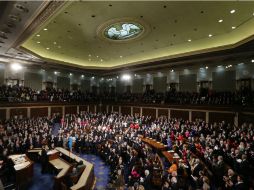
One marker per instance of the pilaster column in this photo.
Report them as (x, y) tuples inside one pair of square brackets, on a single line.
[(28, 112), (141, 111), (207, 116), (131, 111), (8, 113), (49, 111), (156, 114), (63, 111), (236, 119), (169, 113), (190, 115)]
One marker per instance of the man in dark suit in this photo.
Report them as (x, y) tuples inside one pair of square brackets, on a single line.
[(197, 168), (44, 160), (244, 166), (147, 180), (195, 171), (132, 161), (220, 169), (80, 166), (240, 184)]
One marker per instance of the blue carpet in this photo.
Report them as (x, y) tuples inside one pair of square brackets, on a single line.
[(101, 170), (46, 181), (41, 181)]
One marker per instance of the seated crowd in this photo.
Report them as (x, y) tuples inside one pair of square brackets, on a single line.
[(26, 94), (213, 156)]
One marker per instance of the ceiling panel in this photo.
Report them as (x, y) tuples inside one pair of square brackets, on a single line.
[(174, 29)]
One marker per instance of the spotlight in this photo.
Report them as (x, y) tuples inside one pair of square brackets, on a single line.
[(16, 67), (126, 77)]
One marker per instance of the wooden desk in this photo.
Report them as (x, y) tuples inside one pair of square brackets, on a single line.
[(35, 150), (24, 170), (170, 156), (53, 154), (153, 143), (87, 179), (62, 165), (64, 168)]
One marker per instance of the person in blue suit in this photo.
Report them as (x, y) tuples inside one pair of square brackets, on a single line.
[(70, 142)]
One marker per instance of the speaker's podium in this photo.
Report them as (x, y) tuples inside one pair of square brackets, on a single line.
[(24, 170)]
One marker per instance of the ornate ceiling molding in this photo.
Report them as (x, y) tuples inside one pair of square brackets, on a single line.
[(47, 10)]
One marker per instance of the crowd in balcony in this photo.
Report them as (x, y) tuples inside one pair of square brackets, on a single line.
[(25, 94), (212, 156)]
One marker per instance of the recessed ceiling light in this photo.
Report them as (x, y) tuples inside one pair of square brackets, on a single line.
[(228, 66), (47, 48), (101, 60), (121, 56), (70, 74), (38, 35), (82, 76), (38, 42), (89, 59), (220, 20), (252, 61), (55, 43), (210, 35), (89, 55), (206, 67), (97, 56), (232, 11), (172, 70), (189, 40), (45, 29), (233, 27)]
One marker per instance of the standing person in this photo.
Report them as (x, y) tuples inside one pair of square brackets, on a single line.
[(119, 183), (44, 160), (62, 121), (147, 180), (70, 141)]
